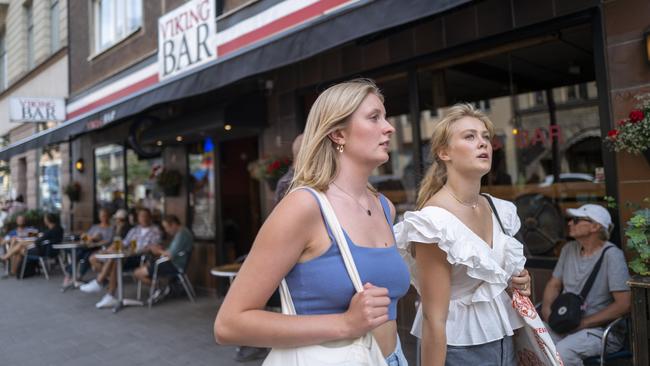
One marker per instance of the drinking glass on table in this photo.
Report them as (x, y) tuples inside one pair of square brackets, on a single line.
[(117, 244)]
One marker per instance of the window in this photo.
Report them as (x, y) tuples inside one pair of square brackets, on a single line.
[(55, 41), (50, 190), (29, 21), (142, 190), (115, 20), (3, 63), (109, 177), (202, 189)]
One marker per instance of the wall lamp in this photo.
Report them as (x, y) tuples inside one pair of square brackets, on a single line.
[(79, 165)]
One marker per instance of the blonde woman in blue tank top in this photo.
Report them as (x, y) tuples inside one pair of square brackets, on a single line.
[(346, 137)]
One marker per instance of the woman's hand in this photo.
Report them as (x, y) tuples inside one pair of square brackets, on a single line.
[(368, 310), (521, 282)]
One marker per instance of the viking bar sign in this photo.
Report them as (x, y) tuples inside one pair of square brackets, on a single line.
[(36, 109), (186, 37)]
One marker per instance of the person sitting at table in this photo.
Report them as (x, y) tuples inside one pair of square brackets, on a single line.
[(145, 235), (52, 235), (177, 252), (13, 236), (98, 235)]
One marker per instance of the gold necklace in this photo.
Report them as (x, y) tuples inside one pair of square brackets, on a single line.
[(354, 199), (471, 205)]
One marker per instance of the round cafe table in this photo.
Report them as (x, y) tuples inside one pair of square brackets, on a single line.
[(72, 246), (227, 270), (121, 301)]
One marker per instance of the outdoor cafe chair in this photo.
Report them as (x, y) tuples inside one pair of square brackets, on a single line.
[(180, 275), (43, 260)]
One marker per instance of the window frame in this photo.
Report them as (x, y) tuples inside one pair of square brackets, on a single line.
[(55, 26), (29, 34), (96, 47)]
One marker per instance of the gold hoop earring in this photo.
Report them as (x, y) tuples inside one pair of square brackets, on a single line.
[(340, 148)]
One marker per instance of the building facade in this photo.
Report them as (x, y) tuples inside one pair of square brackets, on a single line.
[(208, 88), (34, 85)]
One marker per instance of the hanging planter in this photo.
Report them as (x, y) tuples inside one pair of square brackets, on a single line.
[(632, 134), (73, 191), (170, 182), (269, 170)]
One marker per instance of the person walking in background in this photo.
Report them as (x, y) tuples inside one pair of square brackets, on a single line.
[(282, 188), (346, 137), (460, 258)]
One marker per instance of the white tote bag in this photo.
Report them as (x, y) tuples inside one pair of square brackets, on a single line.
[(533, 344), (363, 351)]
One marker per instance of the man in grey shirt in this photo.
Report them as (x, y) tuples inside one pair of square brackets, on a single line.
[(609, 297)]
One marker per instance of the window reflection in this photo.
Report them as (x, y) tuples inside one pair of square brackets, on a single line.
[(202, 189), (109, 177), (50, 189), (143, 192)]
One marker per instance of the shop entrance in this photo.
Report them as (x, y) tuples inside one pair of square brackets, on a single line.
[(240, 197)]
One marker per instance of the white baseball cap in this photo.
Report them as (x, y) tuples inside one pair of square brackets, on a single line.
[(596, 213)]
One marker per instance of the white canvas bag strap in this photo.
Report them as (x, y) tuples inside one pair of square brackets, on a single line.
[(288, 307)]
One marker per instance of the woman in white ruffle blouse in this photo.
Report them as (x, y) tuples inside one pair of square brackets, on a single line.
[(461, 262)]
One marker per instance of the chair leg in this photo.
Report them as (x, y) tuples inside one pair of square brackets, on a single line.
[(43, 267), (189, 284), (152, 288), (22, 267), (61, 264), (186, 286)]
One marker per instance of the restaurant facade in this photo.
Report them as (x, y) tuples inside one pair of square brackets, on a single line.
[(171, 89)]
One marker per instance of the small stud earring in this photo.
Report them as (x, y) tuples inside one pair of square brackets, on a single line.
[(340, 148)]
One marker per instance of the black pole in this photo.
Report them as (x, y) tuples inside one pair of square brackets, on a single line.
[(554, 141), (414, 112)]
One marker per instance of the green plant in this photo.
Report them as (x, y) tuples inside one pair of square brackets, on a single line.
[(73, 191), (637, 232), (632, 134), (33, 218)]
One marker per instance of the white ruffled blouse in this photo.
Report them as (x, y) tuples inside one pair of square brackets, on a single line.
[(480, 311)]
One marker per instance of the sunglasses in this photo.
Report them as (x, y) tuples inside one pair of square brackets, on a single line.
[(576, 220)]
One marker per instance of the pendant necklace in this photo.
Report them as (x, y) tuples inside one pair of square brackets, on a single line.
[(472, 205), (357, 202)]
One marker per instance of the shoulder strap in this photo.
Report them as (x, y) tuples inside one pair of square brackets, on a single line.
[(335, 228), (592, 276), (494, 209)]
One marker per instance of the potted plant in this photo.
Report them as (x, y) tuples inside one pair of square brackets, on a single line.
[(637, 232), (269, 169), (73, 191), (169, 180), (632, 134)]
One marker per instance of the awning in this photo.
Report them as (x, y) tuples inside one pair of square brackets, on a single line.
[(304, 41)]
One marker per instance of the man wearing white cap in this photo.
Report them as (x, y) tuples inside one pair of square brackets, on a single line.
[(609, 296)]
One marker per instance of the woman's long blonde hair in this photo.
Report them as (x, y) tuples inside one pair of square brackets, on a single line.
[(317, 161), (436, 175)]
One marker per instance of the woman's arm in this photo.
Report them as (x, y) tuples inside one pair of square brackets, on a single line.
[(434, 276), (293, 227)]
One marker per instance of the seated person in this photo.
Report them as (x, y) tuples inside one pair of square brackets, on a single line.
[(21, 231), (97, 236), (608, 298), (52, 235), (181, 243), (146, 235)]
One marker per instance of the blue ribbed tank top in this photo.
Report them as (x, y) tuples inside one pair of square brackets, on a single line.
[(322, 284)]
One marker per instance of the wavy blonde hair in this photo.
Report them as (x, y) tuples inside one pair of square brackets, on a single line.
[(436, 175), (317, 161)]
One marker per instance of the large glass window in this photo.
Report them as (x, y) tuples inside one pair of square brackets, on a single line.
[(109, 177), (143, 192), (202, 189), (115, 20), (29, 21), (49, 187), (3, 62), (55, 22), (547, 148)]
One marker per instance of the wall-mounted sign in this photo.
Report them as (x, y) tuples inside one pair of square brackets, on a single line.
[(36, 109), (186, 37)]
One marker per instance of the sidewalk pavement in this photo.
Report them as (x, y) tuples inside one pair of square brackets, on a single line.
[(41, 326)]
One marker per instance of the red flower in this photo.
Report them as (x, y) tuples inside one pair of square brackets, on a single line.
[(636, 115), (612, 134), (621, 123)]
